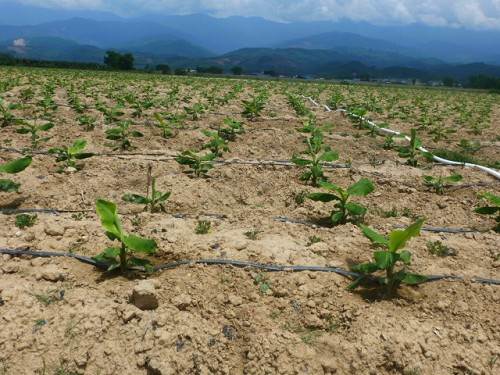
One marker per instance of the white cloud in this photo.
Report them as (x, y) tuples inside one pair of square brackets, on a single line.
[(469, 13), (20, 43)]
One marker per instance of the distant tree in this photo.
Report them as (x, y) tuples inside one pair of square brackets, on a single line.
[(180, 72), (484, 82), (237, 70), (271, 73), (163, 68), (448, 82), (210, 70), (116, 60)]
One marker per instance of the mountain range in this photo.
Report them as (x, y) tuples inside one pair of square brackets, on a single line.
[(254, 43)]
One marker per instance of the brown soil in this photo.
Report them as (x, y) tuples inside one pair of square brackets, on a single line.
[(62, 317)]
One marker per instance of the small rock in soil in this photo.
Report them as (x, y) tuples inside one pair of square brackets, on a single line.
[(144, 295), (53, 273)]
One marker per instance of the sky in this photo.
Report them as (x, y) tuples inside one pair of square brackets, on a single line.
[(477, 14)]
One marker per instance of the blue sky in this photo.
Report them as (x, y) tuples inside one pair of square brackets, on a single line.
[(482, 14)]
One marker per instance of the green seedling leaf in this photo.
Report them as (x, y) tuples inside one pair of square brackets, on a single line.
[(16, 166), (9, 186), (140, 244), (322, 197), (135, 198), (399, 238), (109, 217), (361, 188), (374, 236)]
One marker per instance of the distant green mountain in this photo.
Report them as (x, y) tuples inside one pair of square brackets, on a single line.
[(170, 48)]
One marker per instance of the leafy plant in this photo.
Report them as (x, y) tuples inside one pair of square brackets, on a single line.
[(344, 209), (439, 249), (87, 122), (253, 107), (200, 164), (69, 155), (165, 126), (316, 154), (154, 200), (25, 220), (195, 111), (387, 259), (411, 151), (34, 131), (298, 105), (203, 227), (469, 147), (123, 256), (438, 184), (217, 144), (121, 134), (231, 129), (493, 208), (6, 116), (252, 234), (13, 167)]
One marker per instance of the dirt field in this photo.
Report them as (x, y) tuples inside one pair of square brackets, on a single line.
[(59, 316)]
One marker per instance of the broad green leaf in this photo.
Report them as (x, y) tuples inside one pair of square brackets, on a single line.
[(109, 253), (139, 244), (374, 236), (300, 162), (405, 257), (77, 146), (322, 197), (46, 126), (454, 178), (365, 268), (136, 134), (23, 131), (413, 279), (138, 262), (488, 210), (9, 186), (109, 217), (329, 156), (329, 186), (399, 238), (355, 209), (84, 155), (384, 259), (16, 166), (337, 217), (494, 199), (135, 198), (361, 188), (163, 197)]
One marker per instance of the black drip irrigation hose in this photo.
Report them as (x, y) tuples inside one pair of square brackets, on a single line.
[(284, 219), (231, 262)]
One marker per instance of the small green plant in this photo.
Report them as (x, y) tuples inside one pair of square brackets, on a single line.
[(123, 256), (469, 147), (69, 155), (438, 184), (410, 152), (316, 154), (121, 134), (493, 208), (25, 220), (313, 239), (344, 209), (34, 131), (203, 227), (231, 129), (200, 164), (154, 200), (217, 145), (298, 105), (439, 249), (195, 111), (388, 142), (165, 125), (253, 107), (13, 167), (263, 283), (388, 258), (87, 122), (252, 234), (6, 116)]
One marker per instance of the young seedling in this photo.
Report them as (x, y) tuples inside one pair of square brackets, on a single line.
[(410, 152), (439, 249), (123, 256), (491, 209), (388, 258), (6, 116), (200, 164), (316, 154), (25, 220), (154, 200), (33, 130), (231, 129), (298, 105), (13, 167), (121, 135), (195, 111), (165, 126), (253, 107), (344, 210), (87, 122), (203, 227), (217, 145), (252, 234), (69, 155), (438, 184)]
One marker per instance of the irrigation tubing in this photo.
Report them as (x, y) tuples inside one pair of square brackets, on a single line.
[(231, 262), (372, 124)]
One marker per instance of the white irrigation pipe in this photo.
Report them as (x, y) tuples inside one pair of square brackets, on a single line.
[(490, 171)]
